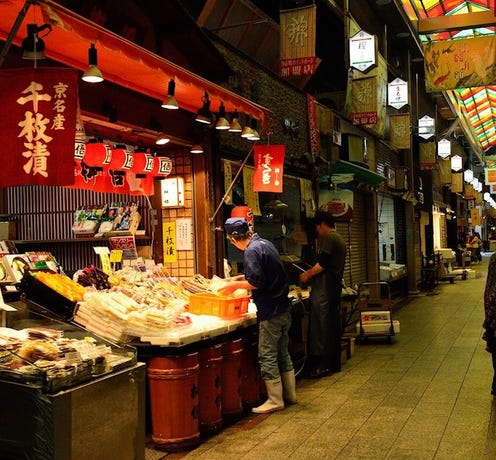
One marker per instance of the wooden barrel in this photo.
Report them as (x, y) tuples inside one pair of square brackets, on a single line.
[(232, 406), (210, 390), (173, 386), (250, 374)]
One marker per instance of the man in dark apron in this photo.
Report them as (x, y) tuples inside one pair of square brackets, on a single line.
[(325, 278)]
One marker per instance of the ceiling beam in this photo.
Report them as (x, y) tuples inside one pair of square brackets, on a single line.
[(456, 22)]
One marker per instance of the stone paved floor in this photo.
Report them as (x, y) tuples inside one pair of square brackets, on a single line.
[(425, 396)]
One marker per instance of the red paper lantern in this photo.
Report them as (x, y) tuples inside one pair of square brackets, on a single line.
[(163, 167), (122, 160), (97, 154)]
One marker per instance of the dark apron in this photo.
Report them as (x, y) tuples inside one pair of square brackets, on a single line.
[(324, 335)]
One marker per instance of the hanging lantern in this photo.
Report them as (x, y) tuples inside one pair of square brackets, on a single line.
[(122, 159), (139, 177), (97, 154), (162, 167)]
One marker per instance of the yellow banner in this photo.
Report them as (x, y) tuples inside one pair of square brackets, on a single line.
[(169, 241), (445, 170), (399, 131), (298, 32), (427, 152), (457, 182), (357, 96), (460, 63), (475, 216)]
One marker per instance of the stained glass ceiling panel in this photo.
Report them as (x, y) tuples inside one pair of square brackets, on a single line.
[(476, 105)]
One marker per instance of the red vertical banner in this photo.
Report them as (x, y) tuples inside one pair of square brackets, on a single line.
[(38, 125), (269, 168), (313, 129)]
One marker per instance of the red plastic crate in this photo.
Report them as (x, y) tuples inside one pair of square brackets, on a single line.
[(217, 305)]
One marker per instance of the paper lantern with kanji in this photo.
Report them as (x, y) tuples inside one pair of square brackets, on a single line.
[(139, 177), (162, 167), (121, 162), (91, 163)]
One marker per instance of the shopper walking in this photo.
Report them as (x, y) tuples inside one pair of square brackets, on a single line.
[(476, 243), (265, 276), (325, 278)]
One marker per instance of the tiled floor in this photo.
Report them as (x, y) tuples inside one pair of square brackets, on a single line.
[(425, 396)]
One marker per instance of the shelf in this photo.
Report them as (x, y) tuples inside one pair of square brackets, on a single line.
[(77, 240)]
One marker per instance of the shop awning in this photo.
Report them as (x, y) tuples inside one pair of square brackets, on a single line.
[(120, 61), (361, 174)]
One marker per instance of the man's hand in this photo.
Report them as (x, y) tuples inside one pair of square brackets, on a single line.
[(227, 289), (305, 276)]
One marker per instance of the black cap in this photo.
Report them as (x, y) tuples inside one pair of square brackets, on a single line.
[(236, 226)]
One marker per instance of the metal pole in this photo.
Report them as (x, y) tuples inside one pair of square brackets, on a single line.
[(15, 28)]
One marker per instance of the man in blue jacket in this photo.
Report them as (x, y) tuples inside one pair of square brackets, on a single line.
[(265, 276)]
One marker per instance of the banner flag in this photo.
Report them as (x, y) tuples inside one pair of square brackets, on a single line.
[(298, 32), (38, 125), (399, 131), (427, 152), (269, 168), (459, 63)]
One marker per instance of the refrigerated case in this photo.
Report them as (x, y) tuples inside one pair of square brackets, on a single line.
[(95, 411)]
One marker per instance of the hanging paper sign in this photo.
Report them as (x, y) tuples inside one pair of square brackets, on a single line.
[(162, 166), (269, 168), (456, 163), (364, 101), (362, 51), (169, 241), (427, 154), (457, 182), (399, 131), (312, 125), (38, 125), (297, 28), (398, 93), (426, 127), (490, 175), (444, 148)]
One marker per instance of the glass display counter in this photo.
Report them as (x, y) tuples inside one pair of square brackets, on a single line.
[(66, 393)]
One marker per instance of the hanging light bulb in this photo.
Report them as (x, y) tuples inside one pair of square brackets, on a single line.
[(170, 102), (247, 131), (222, 122), (235, 127), (254, 133), (204, 114), (196, 148), (92, 74), (33, 47), (162, 139)]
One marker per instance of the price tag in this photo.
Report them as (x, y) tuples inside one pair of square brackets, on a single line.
[(116, 255)]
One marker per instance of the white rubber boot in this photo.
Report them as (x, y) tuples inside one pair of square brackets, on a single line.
[(289, 387), (274, 401)]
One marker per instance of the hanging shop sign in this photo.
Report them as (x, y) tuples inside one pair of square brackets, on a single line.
[(38, 125), (460, 63), (427, 154), (456, 163), (362, 48), (490, 175), (426, 127), (398, 93), (457, 182), (298, 34), (269, 168), (444, 148), (364, 101), (399, 131), (312, 125)]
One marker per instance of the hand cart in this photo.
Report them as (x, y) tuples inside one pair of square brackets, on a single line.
[(375, 311)]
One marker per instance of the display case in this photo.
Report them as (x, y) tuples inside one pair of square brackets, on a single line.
[(66, 393)]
